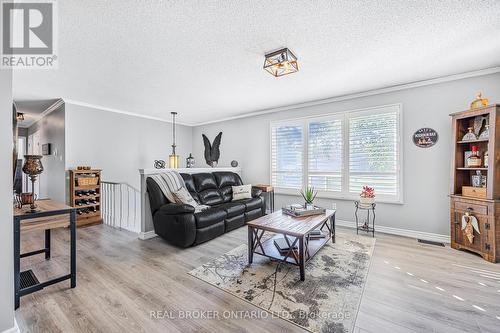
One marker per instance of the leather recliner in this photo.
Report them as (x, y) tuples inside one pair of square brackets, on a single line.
[(181, 226)]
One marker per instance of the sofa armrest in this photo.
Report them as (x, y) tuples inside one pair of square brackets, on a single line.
[(256, 192), (176, 209)]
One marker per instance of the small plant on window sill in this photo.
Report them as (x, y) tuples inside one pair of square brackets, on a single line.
[(309, 194), (367, 196)]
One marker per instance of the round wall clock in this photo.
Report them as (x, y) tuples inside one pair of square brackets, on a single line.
[(425, 137)]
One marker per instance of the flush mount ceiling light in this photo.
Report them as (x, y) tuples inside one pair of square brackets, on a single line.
[(20, 116), (281, 62)]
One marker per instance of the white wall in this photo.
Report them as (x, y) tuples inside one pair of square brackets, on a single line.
[(6, 228), (51, 128), (426, 172), (120, 145)]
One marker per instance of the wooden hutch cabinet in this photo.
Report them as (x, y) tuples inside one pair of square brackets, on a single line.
[(475, 184)]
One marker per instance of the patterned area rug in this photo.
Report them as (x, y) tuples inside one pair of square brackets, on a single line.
[(327, 301)]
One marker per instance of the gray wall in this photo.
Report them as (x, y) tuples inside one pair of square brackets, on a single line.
[(120, 144), (52, 130), (22, 131), (426, 172), (6, 230)]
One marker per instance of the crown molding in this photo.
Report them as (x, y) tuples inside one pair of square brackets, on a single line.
[(379, 91), (128, 113), (372, 92), (54, 106)]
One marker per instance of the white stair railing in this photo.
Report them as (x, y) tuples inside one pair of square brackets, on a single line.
[(120, 205)]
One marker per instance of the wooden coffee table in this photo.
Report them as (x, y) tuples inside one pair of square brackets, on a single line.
[(294, 230)]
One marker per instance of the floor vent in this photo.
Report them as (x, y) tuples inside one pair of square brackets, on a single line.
[(430, 242), (28, 279)]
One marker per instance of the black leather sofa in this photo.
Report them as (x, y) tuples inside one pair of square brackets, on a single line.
[(180, 225)]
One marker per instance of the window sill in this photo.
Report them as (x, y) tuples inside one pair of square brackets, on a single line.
[(335, 196)]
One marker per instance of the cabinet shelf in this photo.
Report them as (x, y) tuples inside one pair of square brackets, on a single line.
[(472, 169), (481, 202), (473, 141)]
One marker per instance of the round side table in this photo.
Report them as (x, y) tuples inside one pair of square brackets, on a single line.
[(368, 224)]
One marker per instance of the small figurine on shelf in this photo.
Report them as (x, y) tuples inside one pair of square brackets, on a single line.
[(190, 161), (367, 196), (479, 102)]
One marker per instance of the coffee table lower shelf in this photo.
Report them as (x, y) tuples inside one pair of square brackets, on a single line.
[(270, 250)]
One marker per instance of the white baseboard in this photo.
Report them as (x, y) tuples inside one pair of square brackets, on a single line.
[(14, 329), (400, 232), (147, 235)]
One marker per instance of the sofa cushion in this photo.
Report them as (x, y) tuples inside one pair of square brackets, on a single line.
[(225, 179), (204, 181), (235, 222), (233, 208), (210, 232), (188, 180), (209, 217), (226, 193), (251, 204), (253, 214), (210, 197)]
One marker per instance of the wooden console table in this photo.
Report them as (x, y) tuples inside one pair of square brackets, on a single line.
[(26, 282)]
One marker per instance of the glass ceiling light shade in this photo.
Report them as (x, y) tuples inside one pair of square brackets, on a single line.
[(173, 159), (281, 62)]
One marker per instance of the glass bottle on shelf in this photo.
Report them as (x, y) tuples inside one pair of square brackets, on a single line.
[(485, 163), (485, 134), (470, 136), (474, 160)]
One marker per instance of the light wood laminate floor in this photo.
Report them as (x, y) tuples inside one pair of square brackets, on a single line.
[(410, 288)]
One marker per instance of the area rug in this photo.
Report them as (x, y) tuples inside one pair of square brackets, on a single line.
[(328, 299)]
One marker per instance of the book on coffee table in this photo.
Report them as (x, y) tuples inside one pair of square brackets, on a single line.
[(316, 234), (282, 245)]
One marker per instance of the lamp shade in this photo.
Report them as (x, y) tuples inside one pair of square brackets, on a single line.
[(32, 165)]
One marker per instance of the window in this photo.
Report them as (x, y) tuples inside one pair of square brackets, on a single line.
[(286, 155), (338, 154), (324, 156), (373, 153)]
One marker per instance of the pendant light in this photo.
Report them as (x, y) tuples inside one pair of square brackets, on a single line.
[(173, 159)]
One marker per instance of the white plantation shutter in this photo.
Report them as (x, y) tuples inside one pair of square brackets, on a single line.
[(340, 153), (286, 155), (325, 150), (373, 152)]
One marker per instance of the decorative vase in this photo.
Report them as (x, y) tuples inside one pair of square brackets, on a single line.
[(469, 136), (366, 201), (190, 161)]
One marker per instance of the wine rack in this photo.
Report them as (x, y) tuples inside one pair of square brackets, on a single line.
[(85, 196)]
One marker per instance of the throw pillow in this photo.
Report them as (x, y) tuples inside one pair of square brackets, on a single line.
[(242, 192), (183, 196)]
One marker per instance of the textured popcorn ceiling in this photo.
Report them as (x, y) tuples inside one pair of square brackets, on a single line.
[(204, 58)]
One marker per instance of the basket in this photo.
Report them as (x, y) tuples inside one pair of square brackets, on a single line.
[(85, 181)]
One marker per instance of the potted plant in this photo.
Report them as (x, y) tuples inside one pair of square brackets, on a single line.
[(367, 196), (309, 194)]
